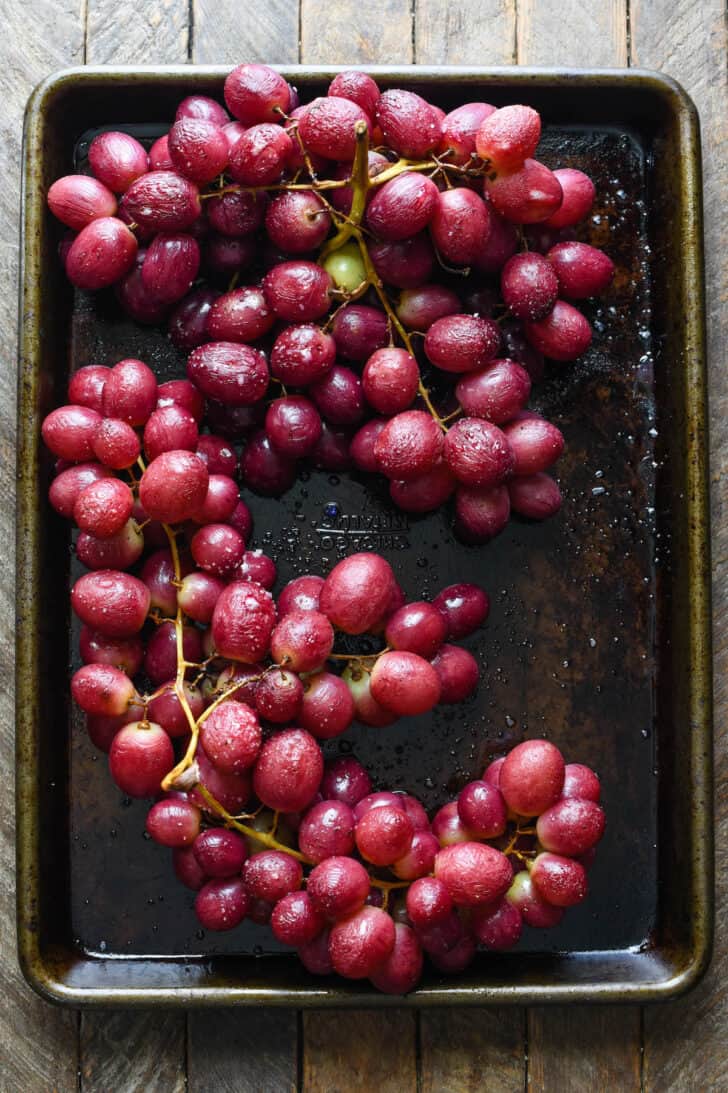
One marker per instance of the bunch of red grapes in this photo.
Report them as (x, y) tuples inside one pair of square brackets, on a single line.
[(212, 696), (457, 243)]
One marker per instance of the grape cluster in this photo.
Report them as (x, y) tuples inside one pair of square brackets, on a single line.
[(437, 268)]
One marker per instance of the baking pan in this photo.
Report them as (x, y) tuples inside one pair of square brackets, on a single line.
[(599, 635)]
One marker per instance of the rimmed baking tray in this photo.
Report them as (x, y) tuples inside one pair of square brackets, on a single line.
[(600, 631)]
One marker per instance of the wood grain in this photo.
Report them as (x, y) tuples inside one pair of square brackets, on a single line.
[(354, 33), (38, 1044), (465, 32), (351, 1051), (578, 34), (231, 32), (137, 31), (685, 1042), (127, 1052), (242, 1050), (573, 1048), (468, 1049)]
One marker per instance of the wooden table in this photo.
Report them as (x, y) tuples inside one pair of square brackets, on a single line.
[(681, 1046)]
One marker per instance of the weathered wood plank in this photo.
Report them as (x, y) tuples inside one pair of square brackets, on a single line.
[(137, 31), (227, 33), (355, 33), (467, 1049), (587, 34), (685, 1042), (38, 1043), (353, 1051), (242, 1050), (572, 1049), (127, 1052), (467, 32)]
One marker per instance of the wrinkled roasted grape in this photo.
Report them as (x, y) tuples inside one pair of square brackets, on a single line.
[(327, 127), (241, 315), (459, 130), (298, 291), (473, 873), (243, 621), (326, 830), (529, 194), (461, 343), (259, 157), (410, 125), (288, 771), (256, 93), (103, 507), (497, 393), (529, 286), (102, 253), (338, 886), (460, 225), (279, 697), (390, 380), (234, 374), (358, 331), (409, 445), (112, 602), (361, 943), (162, 201), (76, 200), (478, 453), (509, 136), (297, 221), (198, 148), (402, 207)]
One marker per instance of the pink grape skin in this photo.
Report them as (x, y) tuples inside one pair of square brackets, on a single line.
[(409, 445), (271, 875), (236, 214), (482, 809), (559, 880), (532, 777), (327, 127), (405, 683), (198, 148), (117, 160), (358, 331), (243, 621), (298, 291), (363, 443), (570, 827), (458, 672), (580, 270), (255, 93), (390, 380), (300, 594), (66, 486), (297, 221), (241, 519), (465, 608), (527, 195), (221, 904), (382, 799), (581, 781), (289, 770), (327, 707), (259, 157), (69, 432), (360, 944), (536, 444), (478, 453), (220, 502), (224, 257), (460, 225), (258, 568), (383, 835), (401, 971), (103, 507), (130, 392), (529, 286), (302, 354), (279, 697), (402, 207), (338, 396), (404, 264), (186, 869), (491, 774), (358, 87), (219, 852), (481, 514), (217, 455), (124, 653), (160, 658), (326, 831), (473, 873), (578, 190), (112, 602), (170, 429), (418, 308), (162, 201), (426, 492), (173, 487), (357, 592), (187, 324), (419, 858), (170, 266), (535, 496), (462, 343), (200, 106), (76, 200), (410, 125), (338, 887), (232, 791), (102, 690), (231, 737), (141, 754), (428, 902), (158, 574), (509, 136), (217, 548), (173, 823), (241, 315), (166, 710), (234, 374), (497, 393), (295, 921), (498, 926), (303, 640), (448, 828), (416, 628), (86, 387), (459, 129), (367, 710), (345, 779), (119, 551), (159, 154), (314, 955)]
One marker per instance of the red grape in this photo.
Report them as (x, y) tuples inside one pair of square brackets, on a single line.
[(509, 136), (534, 442), (357, 592), (400, 972), (114, 603), (219, 852), (221, 904), (326, 830), (234, 374), (76, 200), (461, 343), (243, 621), (117, 160), (460, 225), (256, 93), (130, 392), (581, 781), (405, 683), (458, 672), (295, 921), (416, 628), (361, 943), (327, 127), (288, 771), (140, 756), (580, 270), (459, 130), (327, 708), (103, 507), (173, 823), (410, 125), (338, 887), (198, 148), (481, 514), (402, 207), (497, 926), (473, 873), (358, 330), (529, 286), (535, 496), (527, 195), (570, 827), (345, 780), (497, 393), (162, 201), (259, 157), (279, 697), (478, 453), (578, 190), (532, 777), (560, 881), (482, 809)]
